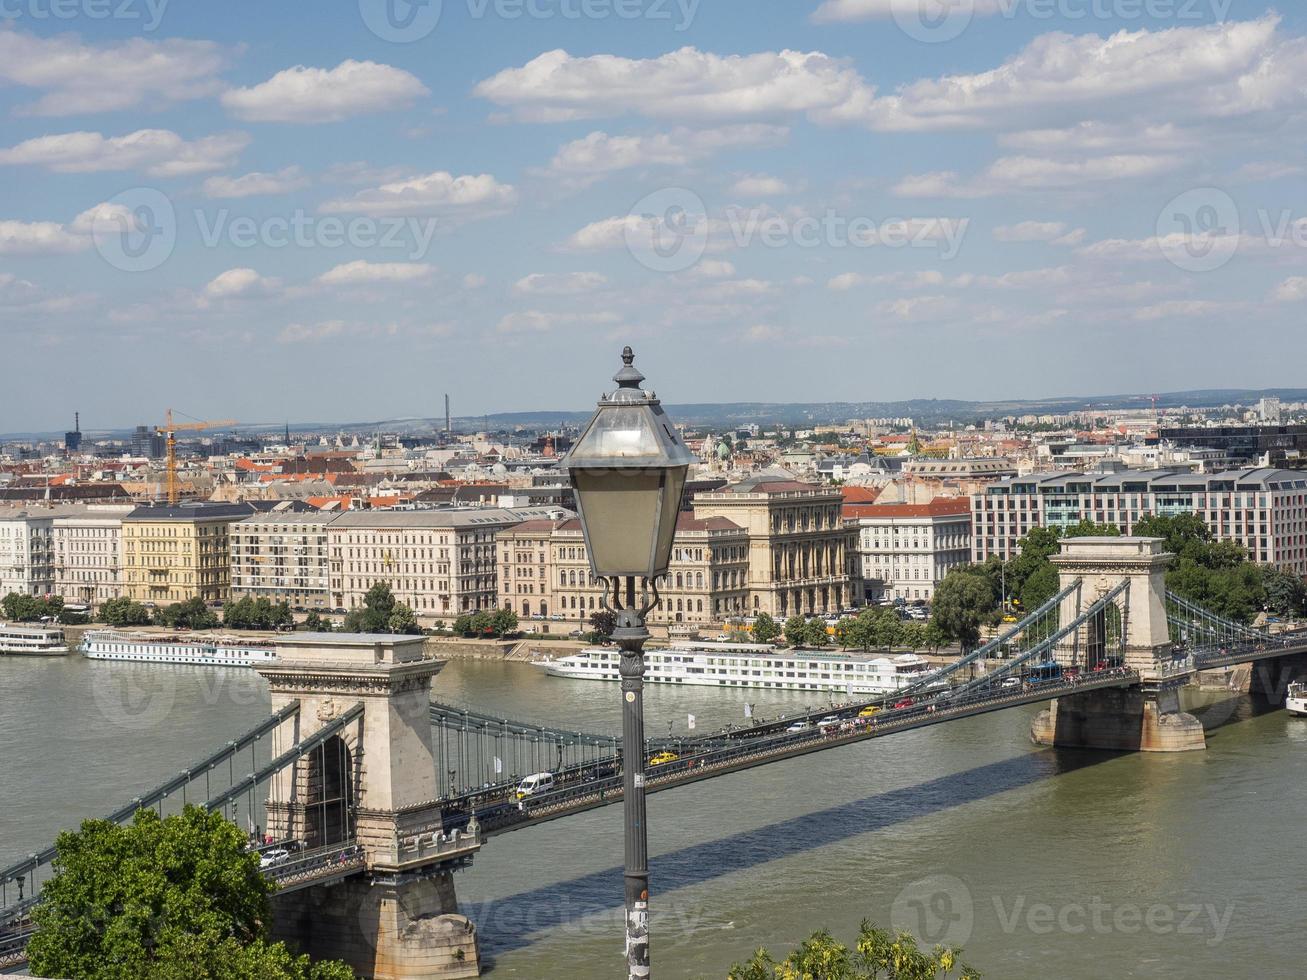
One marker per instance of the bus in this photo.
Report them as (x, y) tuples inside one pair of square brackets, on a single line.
[(1044, 672)]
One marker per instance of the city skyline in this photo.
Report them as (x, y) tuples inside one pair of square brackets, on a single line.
[(959, 205)]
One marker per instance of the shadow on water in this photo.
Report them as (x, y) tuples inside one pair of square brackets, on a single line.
[(508, 923)]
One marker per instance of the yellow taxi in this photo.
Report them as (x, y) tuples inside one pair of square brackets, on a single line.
[(662, 758), (868, 711)]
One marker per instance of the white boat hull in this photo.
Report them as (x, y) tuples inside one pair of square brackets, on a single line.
[(683, 667), (182, 653), (28, 652), (182, 659), (1296, 706)]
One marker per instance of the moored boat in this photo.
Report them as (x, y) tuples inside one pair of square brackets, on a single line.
[(194, 650), (749, 665), (32, 641)]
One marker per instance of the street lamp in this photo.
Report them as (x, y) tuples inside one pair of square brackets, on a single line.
[(629, 470)]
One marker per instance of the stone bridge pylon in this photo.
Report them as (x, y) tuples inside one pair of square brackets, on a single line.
[(1132, 631), (373, 783)]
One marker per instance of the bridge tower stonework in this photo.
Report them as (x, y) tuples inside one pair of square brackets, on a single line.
[(1145, 717), (374, 784)]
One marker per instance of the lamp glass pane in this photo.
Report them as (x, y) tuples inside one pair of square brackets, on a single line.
[(621, 513), (621, 434), (671, 509)]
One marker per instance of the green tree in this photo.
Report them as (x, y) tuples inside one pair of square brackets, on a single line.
[(814, 633), (914, 635), (934, 636), (1285, 593), (1041, 586), (462, 625), (313, 623), (19, 608), (161, 899), (847, 632), (765, 629), (192, 614), (482, 624), (603, 622), (877, 955), (504, 621), (403, 620), (962, 603), (795, 628), (374, 615), (122, 612)]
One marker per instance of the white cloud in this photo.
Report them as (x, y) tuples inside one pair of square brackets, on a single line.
[(84, 78), (683, 84), (844, 11), (846, 281), (474, 281), (1292, 290), (315, 95), (157, 152), (762, 333), (538, 321), (712, 269), (1239, 66), (39, 238), (1015, 175), (569, 284), (254, 184), (1094, 136), (239, 283), (1188, 308), (439, 193), (1056, 232), (733, 289), (361, 271), (759, 185), (599, 154)]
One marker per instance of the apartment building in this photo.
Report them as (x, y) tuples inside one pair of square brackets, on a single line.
[(282, 557), (544, 571), (26, 553), (907, 549), (803, 556), (1265, 510), (171, 554), (442, 563), (88, 552)]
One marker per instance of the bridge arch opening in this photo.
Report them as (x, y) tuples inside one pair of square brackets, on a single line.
[(329, 813)]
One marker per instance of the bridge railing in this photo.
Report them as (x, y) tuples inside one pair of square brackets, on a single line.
[(32, 867)]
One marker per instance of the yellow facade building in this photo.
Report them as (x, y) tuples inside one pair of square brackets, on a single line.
[(171, 554)]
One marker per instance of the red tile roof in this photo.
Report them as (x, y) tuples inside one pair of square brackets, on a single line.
[(939, 507)]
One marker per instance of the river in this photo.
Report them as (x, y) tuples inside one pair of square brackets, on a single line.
[(1040, 863)]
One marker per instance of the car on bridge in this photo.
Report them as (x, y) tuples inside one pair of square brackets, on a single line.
[(274, 856), (534, 785), (904, 703), (830, 721), (798, 726), (869, 711), (662, 758)]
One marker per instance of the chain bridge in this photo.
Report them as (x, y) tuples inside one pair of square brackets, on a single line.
[(374, 794)]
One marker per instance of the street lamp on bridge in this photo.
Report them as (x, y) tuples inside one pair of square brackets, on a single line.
[(629, 470)]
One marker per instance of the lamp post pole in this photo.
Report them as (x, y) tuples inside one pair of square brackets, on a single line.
[(630, 635)]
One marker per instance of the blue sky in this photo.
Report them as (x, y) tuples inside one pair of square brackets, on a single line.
[(335, 212)]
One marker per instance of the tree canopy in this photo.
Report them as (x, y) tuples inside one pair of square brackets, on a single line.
[(963, 601), (192, 614), (122, 612), (19, 608), (765, 629), (257, 614), (877, 955), (381, 613), (161, 899)]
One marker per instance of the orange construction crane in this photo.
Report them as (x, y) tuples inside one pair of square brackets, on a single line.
[(169, 429)]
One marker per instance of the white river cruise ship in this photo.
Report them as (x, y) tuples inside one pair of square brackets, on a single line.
[(200, 651), (749, 665), (32, 641)]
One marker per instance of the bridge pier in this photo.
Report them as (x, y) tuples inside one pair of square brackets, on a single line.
[(375, 787), (1130, 719), (1140, 718)]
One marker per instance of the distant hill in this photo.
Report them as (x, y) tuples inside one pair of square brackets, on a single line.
[(925, 411)]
